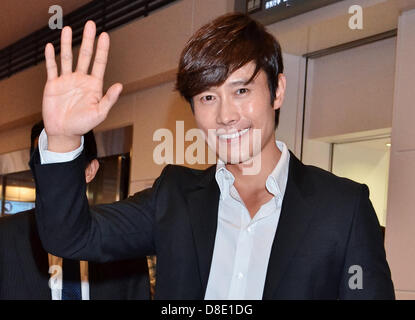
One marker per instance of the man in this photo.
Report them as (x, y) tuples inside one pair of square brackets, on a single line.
[(27, 271), (288, 231)]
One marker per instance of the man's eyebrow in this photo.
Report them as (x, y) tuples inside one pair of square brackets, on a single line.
[(238, 82)]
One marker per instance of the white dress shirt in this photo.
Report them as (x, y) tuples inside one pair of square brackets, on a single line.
[(56, 274), (47, 156), (242, 245)]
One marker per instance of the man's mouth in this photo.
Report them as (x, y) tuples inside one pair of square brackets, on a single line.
[(234, 135)]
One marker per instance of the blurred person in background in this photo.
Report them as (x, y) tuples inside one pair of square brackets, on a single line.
[(28, 272)]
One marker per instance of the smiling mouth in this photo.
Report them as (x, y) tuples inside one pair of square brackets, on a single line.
[(234, 135)]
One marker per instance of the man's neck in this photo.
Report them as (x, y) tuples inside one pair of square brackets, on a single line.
[(269, 157)]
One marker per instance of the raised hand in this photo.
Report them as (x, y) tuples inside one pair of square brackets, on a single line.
[(73, 103)]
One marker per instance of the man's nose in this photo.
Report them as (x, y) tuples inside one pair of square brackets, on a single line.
[(228, 113)]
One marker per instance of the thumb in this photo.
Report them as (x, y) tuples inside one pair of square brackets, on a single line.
[(110, 98)]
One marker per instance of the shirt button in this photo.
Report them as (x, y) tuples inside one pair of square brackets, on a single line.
[(249, 229), (240, 275)]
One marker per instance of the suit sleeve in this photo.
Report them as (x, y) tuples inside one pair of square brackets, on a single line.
[(69, 228), (366, 274)]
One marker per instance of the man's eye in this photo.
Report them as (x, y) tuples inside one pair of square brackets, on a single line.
[(242, 91), (207, 98)]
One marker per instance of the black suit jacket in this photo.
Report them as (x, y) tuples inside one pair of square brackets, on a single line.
[(327, 225), (24, 267)]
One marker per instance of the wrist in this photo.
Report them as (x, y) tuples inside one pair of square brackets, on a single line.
[(63, 144)]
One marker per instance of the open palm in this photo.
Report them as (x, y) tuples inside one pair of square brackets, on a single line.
[(73, 103)]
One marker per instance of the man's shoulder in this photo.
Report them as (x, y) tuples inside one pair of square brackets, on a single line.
[(328, 178), (18, 219), (328, 184), (332, 198), (17, 224)]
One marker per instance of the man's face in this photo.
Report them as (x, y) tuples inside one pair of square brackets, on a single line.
[(232, 114)]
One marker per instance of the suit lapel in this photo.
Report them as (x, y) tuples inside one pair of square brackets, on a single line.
[(296, 213), (203, 203)]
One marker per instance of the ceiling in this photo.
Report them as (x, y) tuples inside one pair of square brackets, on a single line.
[(20, 18)]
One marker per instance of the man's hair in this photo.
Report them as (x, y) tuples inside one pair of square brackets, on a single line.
[(221, 47), (35, 133), (90, 145)]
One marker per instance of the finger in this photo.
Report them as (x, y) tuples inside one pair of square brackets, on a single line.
[(66, 50), (101, 56), (110, 98), (51, 67), (87, 47)]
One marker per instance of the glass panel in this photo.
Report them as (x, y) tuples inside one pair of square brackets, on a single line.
[(20, 192), (366, 162), (110, 184), (111, 181)]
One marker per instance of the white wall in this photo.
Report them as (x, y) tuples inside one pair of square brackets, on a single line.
[(290, 124), (349, 93), (366, 162), (352, 90), (400, 240)]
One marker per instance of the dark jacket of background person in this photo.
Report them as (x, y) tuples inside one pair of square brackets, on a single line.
[(24, 267)]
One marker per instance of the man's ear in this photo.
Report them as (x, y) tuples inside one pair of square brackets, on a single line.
[(280, 94), (91, 170)]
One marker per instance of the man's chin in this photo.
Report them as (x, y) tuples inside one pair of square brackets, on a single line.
[(240, 160), (249, 166)]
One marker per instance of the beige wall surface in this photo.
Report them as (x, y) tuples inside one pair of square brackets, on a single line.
[(328, 26), (21, 94), (15, 139), (352, 90), (149, 110), (400, 240), (290, 124), (366, 162)]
